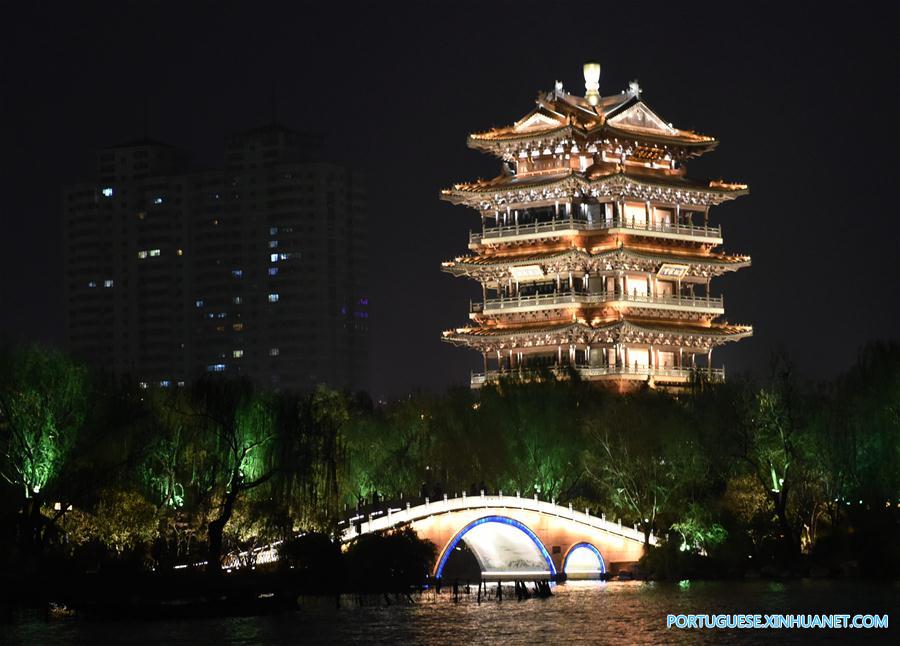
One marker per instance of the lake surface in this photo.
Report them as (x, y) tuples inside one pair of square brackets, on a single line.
[(582, 612)]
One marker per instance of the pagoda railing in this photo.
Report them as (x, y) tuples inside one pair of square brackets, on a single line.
[(581, 297), (579, 224), (586, 372)]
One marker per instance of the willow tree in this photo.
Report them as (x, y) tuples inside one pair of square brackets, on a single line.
[(642, 454), (43, 403), (770, 443), (228, 450)]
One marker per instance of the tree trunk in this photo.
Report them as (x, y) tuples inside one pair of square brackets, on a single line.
[(215, 529), (793, 546)]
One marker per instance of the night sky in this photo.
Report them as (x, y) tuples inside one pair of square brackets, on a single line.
[(803, 99)]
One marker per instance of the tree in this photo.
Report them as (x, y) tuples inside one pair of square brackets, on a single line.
[(43, 403), (643, 457), (231, 434), (770, 444)]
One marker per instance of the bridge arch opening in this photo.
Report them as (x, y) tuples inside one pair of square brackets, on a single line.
[(503, 547), (583, 561)]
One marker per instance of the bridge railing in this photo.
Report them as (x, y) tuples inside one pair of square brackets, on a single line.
[(393, 516)]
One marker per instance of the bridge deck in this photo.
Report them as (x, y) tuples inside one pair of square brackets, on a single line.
[(392, 517)]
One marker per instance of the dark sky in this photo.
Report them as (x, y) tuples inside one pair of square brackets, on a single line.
[(803, 99)]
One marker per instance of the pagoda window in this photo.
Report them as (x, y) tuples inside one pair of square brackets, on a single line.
[(636, 285), (666, 360), (662, 217), (637, 358), (664, 288), (636, 214)]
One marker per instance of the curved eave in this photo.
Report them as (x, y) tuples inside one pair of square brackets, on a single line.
[(466, 264), (625, 330), (492, 139), (502, 188), (685, 140), (462, 193)]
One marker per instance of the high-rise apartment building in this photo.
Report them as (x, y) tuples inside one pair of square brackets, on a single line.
[(257, 269)]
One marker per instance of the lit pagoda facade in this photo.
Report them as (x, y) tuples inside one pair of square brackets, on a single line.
[(596, 251)]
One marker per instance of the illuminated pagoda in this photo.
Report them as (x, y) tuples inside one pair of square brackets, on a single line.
[(596, 251)]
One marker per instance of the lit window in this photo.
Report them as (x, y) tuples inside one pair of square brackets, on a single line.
[(273, 257), (142, 254), (237, 300), (274, 352), (216, 367), (143, 384), (158, 199), (237, 354), (273, 271), (273, 298), (181, 384), (199, 303), (154, 253), (107, 191), (273, 231), (165, 383), (237, 327), (284, 256), (107, 283), (237, 273), (92, 284), (180, 252), (273, 244)]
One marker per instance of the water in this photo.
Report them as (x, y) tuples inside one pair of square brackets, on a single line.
[(623, 612)]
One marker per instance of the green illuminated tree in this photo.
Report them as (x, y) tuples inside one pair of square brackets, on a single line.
[(43, 403), (227, 452)]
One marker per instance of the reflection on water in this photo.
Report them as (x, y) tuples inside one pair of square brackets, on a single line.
[(579, 612)]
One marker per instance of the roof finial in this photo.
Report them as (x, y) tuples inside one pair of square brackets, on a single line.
[(592, 82), (558, 87), (634, 88)]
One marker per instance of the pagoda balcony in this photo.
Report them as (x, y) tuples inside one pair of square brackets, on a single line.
[(670, 375), (572, 226), (712, 305)]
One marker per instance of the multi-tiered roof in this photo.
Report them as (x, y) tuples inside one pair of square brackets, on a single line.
[(592, 247)]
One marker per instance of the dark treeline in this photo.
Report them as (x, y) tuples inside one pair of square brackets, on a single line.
[(785, 475)]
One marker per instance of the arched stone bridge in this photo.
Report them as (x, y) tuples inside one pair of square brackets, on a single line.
[(513, 537)]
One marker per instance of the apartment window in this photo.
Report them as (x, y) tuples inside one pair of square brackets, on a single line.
[(237, 354), (165, 383), (273, 298), (273, 271), (274, 352), (92, 284), (199, 303), (273, 257), (273, 244), (273, 231), (237, 300), (142, 254), (216, 367), (154, 253), (238, 327), (237, 273), (107, 191), (107, 283), (158, 199)]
